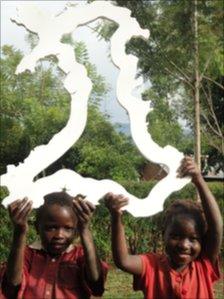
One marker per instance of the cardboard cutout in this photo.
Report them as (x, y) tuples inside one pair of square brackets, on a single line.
[(50, 30)]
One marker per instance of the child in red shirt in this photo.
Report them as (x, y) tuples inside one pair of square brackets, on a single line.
[(54, 267), (189, 266)]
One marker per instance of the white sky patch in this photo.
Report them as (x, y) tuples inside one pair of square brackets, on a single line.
[(50, 29), (12, 34)]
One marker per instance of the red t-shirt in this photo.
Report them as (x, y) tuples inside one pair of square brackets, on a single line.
[(159, 281), (46, 278)]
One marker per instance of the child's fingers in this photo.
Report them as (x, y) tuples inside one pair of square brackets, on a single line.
[(26, 211), (81, 209), (189, 171), (115, 202), (120, 199), (23, 210), (82, 216), (117, 205), (110, 197), (79, 197), (91, 206), (123, 204), (187, 159), (76, 206), (187, 167), (87, 207), (17, 206), (14, 204)]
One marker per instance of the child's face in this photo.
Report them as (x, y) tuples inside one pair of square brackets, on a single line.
[(182, 242), (57, 229)]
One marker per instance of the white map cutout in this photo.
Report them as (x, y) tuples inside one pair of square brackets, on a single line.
[(20, 179)]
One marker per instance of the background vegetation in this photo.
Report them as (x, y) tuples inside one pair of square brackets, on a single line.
[(36, 106)]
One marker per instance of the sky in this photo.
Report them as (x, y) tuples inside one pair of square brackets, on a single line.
[(98, 50)]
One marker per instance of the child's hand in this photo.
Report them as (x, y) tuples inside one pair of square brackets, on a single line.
[(189, 168), (19, 211), (114, 203), (83, 210)]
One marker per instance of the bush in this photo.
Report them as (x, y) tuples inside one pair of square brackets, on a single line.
[(143, 234)]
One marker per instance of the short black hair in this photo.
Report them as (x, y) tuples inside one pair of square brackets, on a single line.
[(62, 199), (187, 208)]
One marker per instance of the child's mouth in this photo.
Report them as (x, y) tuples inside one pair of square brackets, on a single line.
[(183, 256), (58, 245)]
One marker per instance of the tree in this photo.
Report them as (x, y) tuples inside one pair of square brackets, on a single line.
[(105, 153), (212, 122), (164, 126), (184, 53), (36, 106), (29, 104)]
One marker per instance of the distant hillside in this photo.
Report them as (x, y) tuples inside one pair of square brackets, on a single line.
[(123, 128)]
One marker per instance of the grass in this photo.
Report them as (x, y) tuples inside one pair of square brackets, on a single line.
[(119, 286), (219, 289)]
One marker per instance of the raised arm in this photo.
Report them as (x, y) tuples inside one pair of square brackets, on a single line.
[(122, 259), (19, 211), (84, 211), (213, 238)]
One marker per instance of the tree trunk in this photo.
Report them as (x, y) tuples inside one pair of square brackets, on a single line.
[(197, 131)]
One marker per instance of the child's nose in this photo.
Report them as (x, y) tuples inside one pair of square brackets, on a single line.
[(184, 243), (59, 233)]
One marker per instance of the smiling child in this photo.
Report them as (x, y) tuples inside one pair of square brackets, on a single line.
[(53, 267), (192, 237)]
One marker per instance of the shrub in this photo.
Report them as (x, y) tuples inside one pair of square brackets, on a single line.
[(143, 234)]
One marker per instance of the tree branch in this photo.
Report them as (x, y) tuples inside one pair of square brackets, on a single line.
[(217, 133), (210, 105), (187, 79), (220, 148), (177, 77), (213, 81), (206, 66)]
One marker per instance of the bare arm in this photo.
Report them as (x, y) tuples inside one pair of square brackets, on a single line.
[(84, 212), (18, 211), (123, 260), (213, 238)]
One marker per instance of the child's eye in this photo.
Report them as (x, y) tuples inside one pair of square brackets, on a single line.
[(50, 228), (68, 228), (194, 239)]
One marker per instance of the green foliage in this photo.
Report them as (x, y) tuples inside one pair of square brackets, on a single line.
[(81, 54), (167, 60), (7, 229), (35, 106), (163, 124), (29, 104), (143, 234), (119, 286), (33, 102), (104, 153)]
